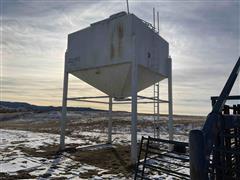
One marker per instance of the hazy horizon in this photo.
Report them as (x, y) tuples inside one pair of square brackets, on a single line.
[(203, 36)]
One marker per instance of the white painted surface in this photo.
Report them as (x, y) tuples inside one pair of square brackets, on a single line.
[(110, 122), (101, 54), (134, 107), (170, 103), (64, 107)]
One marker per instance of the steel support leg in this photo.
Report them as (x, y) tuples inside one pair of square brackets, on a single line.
[(134, 109), (170, 101), (158, 112), (110, 122), (64, 110)]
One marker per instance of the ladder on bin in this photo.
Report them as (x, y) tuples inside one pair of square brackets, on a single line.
[(156, 115)]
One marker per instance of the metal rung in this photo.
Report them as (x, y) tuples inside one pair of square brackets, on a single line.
[(157, 154), (230, 135), (237, 151), (170, 156), (168, 171), (169, 162)]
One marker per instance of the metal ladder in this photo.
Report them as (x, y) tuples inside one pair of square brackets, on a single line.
[(156, 117)]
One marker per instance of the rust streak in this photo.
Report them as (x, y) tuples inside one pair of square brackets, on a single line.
[(120, 37)]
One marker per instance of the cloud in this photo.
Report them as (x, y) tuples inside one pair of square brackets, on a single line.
[(203, 37)]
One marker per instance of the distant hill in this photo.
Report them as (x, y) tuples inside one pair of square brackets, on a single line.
[(6, 106)]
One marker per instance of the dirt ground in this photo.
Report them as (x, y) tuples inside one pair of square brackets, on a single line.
[(85, 121), (116, 159)]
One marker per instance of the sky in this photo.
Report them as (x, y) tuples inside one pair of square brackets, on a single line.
[(203, 36)]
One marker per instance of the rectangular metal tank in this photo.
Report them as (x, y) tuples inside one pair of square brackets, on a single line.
[(101, 54)]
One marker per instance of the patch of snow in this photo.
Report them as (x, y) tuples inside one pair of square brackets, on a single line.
[(32, 139), (97, 178), (17, 164), (13, 160)]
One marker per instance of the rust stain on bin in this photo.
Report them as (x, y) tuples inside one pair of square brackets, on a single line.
[(120, 31), (112, 51), (116, 42), (120, 37)]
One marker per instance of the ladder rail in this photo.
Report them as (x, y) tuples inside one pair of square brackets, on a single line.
[(156, 110)]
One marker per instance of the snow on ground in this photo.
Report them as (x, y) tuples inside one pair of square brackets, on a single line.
[(13, 160), (124, 137), (32, 139)]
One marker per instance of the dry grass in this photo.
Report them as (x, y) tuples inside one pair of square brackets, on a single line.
[(92, 123), (115, 159), (20, 175)]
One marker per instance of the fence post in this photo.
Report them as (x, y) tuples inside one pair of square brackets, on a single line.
[(197, 155)]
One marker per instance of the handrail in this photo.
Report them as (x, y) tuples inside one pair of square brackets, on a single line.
[(227, 88)]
